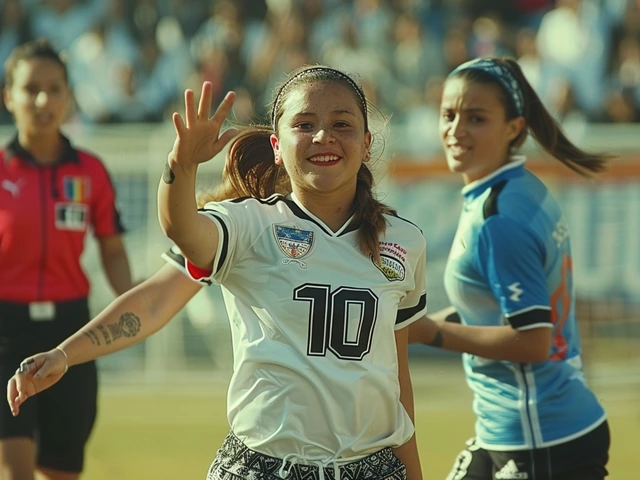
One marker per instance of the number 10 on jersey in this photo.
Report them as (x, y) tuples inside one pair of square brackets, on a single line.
[(329, 325)]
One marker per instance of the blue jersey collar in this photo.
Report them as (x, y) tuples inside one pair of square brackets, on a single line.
[(512, 169)]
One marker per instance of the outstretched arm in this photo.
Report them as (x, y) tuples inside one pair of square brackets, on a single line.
[(198, 140), (494, 342), (127, 320)]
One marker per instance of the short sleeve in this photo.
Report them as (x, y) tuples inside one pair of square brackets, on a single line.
[(105, 217), (512, 259), (174, 257), (226, 216), (414, 305)]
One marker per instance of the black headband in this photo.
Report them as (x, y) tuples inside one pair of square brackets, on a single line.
[(338, 73)]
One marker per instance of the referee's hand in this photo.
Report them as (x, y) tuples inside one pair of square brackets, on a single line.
[(35, 374)]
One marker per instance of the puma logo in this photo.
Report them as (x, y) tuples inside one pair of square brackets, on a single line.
[(13, 187)]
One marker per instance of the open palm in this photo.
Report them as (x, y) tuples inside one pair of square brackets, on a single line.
[(198, 136)]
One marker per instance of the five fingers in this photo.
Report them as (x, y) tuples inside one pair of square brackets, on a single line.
[(204, 108)]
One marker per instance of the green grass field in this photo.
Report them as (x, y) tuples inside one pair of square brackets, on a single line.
[(173, 432)]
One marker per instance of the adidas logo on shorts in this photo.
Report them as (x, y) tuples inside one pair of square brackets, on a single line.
[(511, 472)]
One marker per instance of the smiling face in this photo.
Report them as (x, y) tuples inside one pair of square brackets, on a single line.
[(321, 138), (474, 129), (39, 96)]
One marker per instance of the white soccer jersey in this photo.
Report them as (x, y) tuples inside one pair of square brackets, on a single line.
[(313, 319)]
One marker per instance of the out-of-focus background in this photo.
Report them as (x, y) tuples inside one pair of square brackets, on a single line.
[(162, 406)]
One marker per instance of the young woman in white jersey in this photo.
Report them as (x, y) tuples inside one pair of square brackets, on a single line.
[(509, 280), (319, 278)]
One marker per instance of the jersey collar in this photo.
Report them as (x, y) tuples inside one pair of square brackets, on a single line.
[(299, 210), (14, 149), (510, 170)]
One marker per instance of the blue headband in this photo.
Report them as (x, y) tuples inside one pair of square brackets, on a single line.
[(502, 74)]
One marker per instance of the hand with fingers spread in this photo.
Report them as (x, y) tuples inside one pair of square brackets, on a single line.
[(198, 136), (35, 374)]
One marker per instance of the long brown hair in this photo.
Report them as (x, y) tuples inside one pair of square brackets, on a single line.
[(544, 128), (250, 169)]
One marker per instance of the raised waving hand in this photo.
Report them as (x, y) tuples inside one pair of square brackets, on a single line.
[(198, 137)]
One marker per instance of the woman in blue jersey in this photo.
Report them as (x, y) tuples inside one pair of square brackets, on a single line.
[(320, 281), (509, 281)]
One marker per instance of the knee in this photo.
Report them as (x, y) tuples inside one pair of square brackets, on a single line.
[(44, 473), (17, 459)]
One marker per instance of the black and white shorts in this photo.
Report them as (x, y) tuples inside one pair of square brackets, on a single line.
[(235, 461), (584, 458)]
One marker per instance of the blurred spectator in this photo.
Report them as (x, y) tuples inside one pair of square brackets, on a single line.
[(455, 48), (373, 21), (420, 133), (347, 52), (623, 99), (487, 38), (414, 59), (14, 28), (101, 75), (63, 21), (166, 66), (145, 16), (189, 14), (131, 59), (530, 12), (572, 41), (526, 53)]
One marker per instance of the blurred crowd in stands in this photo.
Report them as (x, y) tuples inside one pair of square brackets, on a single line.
[(130, 60)]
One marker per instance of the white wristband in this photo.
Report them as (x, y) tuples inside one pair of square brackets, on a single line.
[(66, 360)]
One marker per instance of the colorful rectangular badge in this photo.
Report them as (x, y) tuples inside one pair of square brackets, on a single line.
[(76, 189)]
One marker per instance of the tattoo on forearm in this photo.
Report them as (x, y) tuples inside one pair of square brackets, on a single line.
[(93, 337), (437, 340), (167, 175), (128, 326), (104, 333), (453, 318)]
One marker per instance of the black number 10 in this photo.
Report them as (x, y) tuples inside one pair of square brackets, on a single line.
[(328, 319)]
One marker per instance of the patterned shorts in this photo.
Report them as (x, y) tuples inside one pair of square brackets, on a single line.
[(234, 461)]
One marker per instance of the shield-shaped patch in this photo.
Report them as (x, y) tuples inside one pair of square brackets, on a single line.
[(293, 242)]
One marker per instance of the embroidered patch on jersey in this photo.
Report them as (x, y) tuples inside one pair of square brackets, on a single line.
[(391, 268), (392, 257), (76, 189), (71, 216), (293, 242)]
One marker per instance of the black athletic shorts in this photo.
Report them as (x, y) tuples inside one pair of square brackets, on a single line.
[(584, 458), (59, 419)]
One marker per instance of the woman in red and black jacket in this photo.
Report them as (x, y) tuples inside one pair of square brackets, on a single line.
[(50, 195)]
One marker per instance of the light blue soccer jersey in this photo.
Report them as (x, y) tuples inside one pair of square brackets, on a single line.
[(511, 255)]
